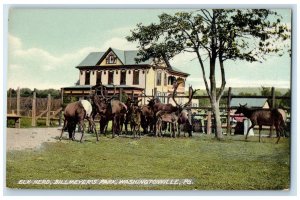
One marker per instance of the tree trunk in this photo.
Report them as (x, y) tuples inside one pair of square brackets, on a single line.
[(218, 123)]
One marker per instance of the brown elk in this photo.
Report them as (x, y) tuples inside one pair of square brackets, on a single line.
[(109, 109), (183, 120), (75, 113), (135, 120), (184, 123), (130, 104), (164, 116), (168, 112), (260, 117), (147, 119)]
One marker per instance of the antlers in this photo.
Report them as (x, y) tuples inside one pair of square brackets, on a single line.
[(174, 92), (191, 94), (104, 97)]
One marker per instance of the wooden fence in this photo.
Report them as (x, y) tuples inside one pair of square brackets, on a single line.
[(50, 109), (36, 108)]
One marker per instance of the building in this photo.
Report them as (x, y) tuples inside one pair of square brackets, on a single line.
[(118, 71), (251, 102)]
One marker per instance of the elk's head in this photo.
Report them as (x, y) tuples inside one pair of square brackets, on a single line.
[(241, 109)]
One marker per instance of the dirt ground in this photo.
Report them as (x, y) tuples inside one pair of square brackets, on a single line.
[(30, 138)]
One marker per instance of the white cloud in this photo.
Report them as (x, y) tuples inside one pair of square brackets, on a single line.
[(119, 43), (38, 68), (35, 67)]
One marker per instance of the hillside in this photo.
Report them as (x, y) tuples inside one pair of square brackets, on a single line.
[(250, 90)]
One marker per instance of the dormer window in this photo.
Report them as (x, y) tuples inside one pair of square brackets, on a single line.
[(111, 59)]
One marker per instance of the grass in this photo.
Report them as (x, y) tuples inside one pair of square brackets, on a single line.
[(232, 164)]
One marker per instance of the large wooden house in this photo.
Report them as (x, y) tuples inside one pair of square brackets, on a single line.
[(117, 70)]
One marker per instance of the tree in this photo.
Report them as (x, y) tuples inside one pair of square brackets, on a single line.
[(217, 34)]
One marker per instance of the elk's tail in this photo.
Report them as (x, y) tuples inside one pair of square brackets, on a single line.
[(278, 120)]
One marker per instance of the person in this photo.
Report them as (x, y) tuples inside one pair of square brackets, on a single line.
[(239, 127)]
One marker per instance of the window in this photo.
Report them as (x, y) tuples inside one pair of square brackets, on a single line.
[(111, 78), (99, 74), (165, 79), (87, 78), (136, 77), (171, 80), (111, 59), (123, 78), (158, 78)]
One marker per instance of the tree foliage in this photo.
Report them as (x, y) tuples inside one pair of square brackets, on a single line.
[(27, 92), (217, 35)]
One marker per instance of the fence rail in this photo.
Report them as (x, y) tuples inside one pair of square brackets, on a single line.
[(49, 108)]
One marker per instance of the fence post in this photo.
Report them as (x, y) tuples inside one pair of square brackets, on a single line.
[(9, 102), (62, 103), (33, 112), (208, 124), (272, 107), (155, 92), (273, 97), (228, 111), (120, 94), (18, 101), (48, 110)]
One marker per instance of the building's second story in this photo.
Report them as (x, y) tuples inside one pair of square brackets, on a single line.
[(119, 68)]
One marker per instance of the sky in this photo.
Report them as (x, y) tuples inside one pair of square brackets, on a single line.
[(45, 46)]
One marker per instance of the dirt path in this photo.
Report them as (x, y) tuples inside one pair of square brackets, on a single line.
[(30, 138)]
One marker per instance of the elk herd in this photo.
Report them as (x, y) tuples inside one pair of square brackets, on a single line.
[(154, 117)]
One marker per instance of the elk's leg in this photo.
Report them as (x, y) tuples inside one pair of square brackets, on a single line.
[(173, 129), (158, 127), (179, 129), (139, 127), (73, 132), (252, 125), (63, 128), (92, 126), (259, 134), (114, 126), (81, 125), (278, 132)]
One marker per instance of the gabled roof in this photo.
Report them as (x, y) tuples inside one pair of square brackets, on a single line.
[(126, 57), (92, 59), (251, 102)]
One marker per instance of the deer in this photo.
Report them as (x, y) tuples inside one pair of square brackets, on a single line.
[(75, 113), (109, 109), (170, 113), (135, 120), (260, 117), (131, 104)]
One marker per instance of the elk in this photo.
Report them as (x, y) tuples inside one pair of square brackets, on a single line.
[(184, 123), (109, 109), (164, 116), (147, 118), (135, 121), (183, 120), (168, 113), (260, 117), (131, 104), (75, 113)]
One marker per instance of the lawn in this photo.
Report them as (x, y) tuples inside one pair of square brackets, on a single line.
[(232, 164)]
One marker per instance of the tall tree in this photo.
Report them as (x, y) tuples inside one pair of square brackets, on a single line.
[(217, 35)]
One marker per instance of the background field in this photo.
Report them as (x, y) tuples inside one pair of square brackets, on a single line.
[(232, 164)]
